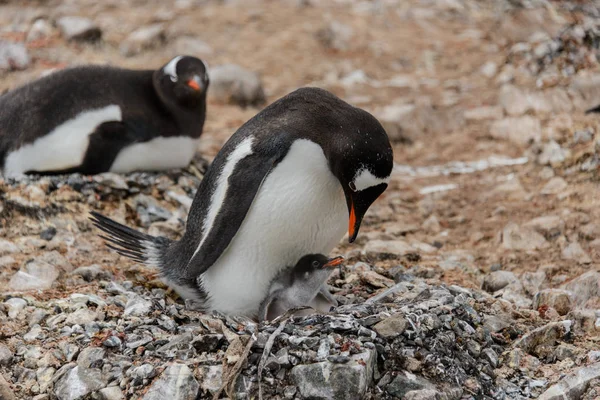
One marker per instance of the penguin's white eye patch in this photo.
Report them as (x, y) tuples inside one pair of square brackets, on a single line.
[(315, 264), (173, 78), (365, 179)]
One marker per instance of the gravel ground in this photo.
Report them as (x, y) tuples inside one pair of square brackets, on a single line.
[(476, 275)]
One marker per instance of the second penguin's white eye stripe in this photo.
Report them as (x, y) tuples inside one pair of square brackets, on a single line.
[(171, 68), (364, 179)]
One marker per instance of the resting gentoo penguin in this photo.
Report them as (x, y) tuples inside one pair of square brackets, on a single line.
[(93, 119), (288, 183), (305, 284)]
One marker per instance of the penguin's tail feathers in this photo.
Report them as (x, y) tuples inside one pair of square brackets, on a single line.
[(138, 246)]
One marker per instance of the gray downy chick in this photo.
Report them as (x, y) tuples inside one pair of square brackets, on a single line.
[(304, 284)]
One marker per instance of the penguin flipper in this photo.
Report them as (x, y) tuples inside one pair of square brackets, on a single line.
[(105, 143), (245, 182)]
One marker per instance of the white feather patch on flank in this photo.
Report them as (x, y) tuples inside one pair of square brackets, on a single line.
[(64, 147), (171, 68), (242, 150), (157, 154), (364, 179)]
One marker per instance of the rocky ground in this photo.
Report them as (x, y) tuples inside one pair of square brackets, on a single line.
[(476, 275)]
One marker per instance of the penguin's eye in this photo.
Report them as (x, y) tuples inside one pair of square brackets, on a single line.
[(173, 78), (352, 186), (315, 264)]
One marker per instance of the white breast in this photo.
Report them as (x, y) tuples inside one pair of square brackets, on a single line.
[(300, 209), (157, 154), (64, 147)]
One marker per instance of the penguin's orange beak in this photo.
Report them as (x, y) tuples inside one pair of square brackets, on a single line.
[(358, 204), (333, 262), (194, 83)]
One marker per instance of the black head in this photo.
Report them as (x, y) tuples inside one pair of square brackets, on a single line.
[(361, 158), (183, 80), (314, 265)]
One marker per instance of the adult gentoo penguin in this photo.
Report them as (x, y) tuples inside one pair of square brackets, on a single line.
[(288, 183), (93, 119), (301, 285)]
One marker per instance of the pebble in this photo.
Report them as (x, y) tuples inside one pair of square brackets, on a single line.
[(336, 36), (391, 326), (110, 393), (6, 355), (48, 233), (233, 84), (552, 154), (519, 130), (7, 247), (13, 56), (211, 377), (555, 185), (15, 305), (92, 273), (333, 380), (34, 275), (81, 317), (40, 29), (91, 357), (79, 29), (381, 249), (524, 238), (585, 287), (176, 382), (560, 300), (497, 280), (544, 335), (575, 252), (137, 306), (143, 38), (573, 384), (77, 382)]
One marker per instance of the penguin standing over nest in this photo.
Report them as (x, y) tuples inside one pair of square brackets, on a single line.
[(288, 183)]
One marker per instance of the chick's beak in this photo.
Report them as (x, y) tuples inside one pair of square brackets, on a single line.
[(333, 262)]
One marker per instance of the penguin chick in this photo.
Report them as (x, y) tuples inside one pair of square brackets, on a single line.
[(304, 284), (92, 119)]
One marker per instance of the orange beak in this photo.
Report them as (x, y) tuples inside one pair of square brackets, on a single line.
[(193, 84), (334, 262), (351, 222)]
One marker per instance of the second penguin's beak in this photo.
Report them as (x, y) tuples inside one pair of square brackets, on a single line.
[(195, 83), (333, 262)]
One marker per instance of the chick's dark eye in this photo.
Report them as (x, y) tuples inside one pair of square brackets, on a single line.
[(352, 186), (315, 264)]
